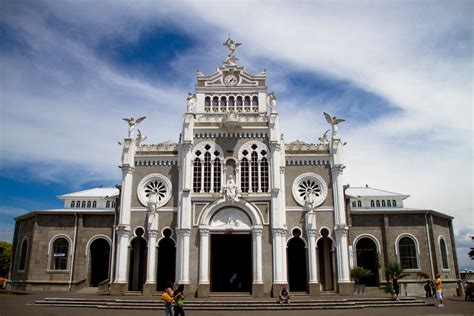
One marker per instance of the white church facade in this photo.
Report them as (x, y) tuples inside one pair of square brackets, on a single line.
[(230, 208)]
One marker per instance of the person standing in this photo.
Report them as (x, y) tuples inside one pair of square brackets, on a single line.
[(179, 301), (428, 289), (395, 286), (167, 298), (439, 290)]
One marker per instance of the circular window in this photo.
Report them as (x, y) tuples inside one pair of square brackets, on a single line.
[(154, 183), (310, 184)]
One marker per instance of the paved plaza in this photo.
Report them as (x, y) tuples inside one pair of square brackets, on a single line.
[(19, 305)]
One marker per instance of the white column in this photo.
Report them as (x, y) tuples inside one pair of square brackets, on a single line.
[(257, 251), (311, 232), (182, 266), (341, 229), (343, 270), (151, 260), (123, 236), (204, 256), (279, 256)]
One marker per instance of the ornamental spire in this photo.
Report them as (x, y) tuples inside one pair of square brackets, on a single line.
[(232, 46)]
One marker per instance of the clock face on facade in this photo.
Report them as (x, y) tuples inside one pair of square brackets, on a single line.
[(230, 80)]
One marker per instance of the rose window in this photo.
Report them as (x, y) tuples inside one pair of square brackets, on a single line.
[(309, 184), (154, 183), (307, 187)]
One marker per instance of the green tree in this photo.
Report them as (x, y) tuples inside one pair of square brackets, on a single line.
[(394, 267), (358, 273), (5, 257)]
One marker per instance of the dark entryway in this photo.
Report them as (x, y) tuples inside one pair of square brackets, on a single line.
[(138, 256), (99, 261), (296, 255), (366, 255), (231, 263), (166, 261), (325, 260)]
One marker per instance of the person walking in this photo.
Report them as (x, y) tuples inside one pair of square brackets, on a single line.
[(167, 299), (439, 290), (179, 301), (395, 286)]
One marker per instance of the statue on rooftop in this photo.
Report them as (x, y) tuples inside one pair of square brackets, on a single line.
[(232, 46), (132, 123), (333, 121)]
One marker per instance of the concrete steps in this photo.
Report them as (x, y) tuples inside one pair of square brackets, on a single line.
[(228, 304)]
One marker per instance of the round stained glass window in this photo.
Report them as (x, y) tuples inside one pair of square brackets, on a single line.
[(154, 183), (309, 184)]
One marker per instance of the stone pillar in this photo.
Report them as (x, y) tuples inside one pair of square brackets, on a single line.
[(203, 289), (341, 229), (120, 285), (279, 260), (313, 286), (150, 284), (182, 266), (257, 286)]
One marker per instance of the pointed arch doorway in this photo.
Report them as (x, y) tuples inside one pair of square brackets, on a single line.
[(138, 258), (99, 251), (166, 268), (296, 257)]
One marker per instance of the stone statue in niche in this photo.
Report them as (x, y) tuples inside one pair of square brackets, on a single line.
[(230, 190), (191, 101), (152, 208), (310, 201)]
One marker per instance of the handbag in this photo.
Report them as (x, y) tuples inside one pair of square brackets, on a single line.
[(166, 297)]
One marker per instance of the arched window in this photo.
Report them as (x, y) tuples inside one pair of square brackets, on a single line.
[(89, 204), (83, 204), (254, 167), (215, 104), (407, 253), (207, 104), (207, 172), (247, 104), (394, 203), (207, 168), (223, 104), (94, 204), (197, 175), (107, 204), (264, 175), (217, 175), (113, 204), (244, 170), (231, 103), (372, 204), (359, 204), (389, 204), (383, 203), (73, 204), (255, 103), (23, 254), (353, 204), (59, 254), (444, 254), (239, 104), (377, 203)]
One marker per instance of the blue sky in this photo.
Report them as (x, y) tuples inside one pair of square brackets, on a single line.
[(400, 73)]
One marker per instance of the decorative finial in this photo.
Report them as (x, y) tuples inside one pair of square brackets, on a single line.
[(232, 46)]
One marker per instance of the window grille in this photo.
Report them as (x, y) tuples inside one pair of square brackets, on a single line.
[(197, 175), (444, 254), (245, 175)]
